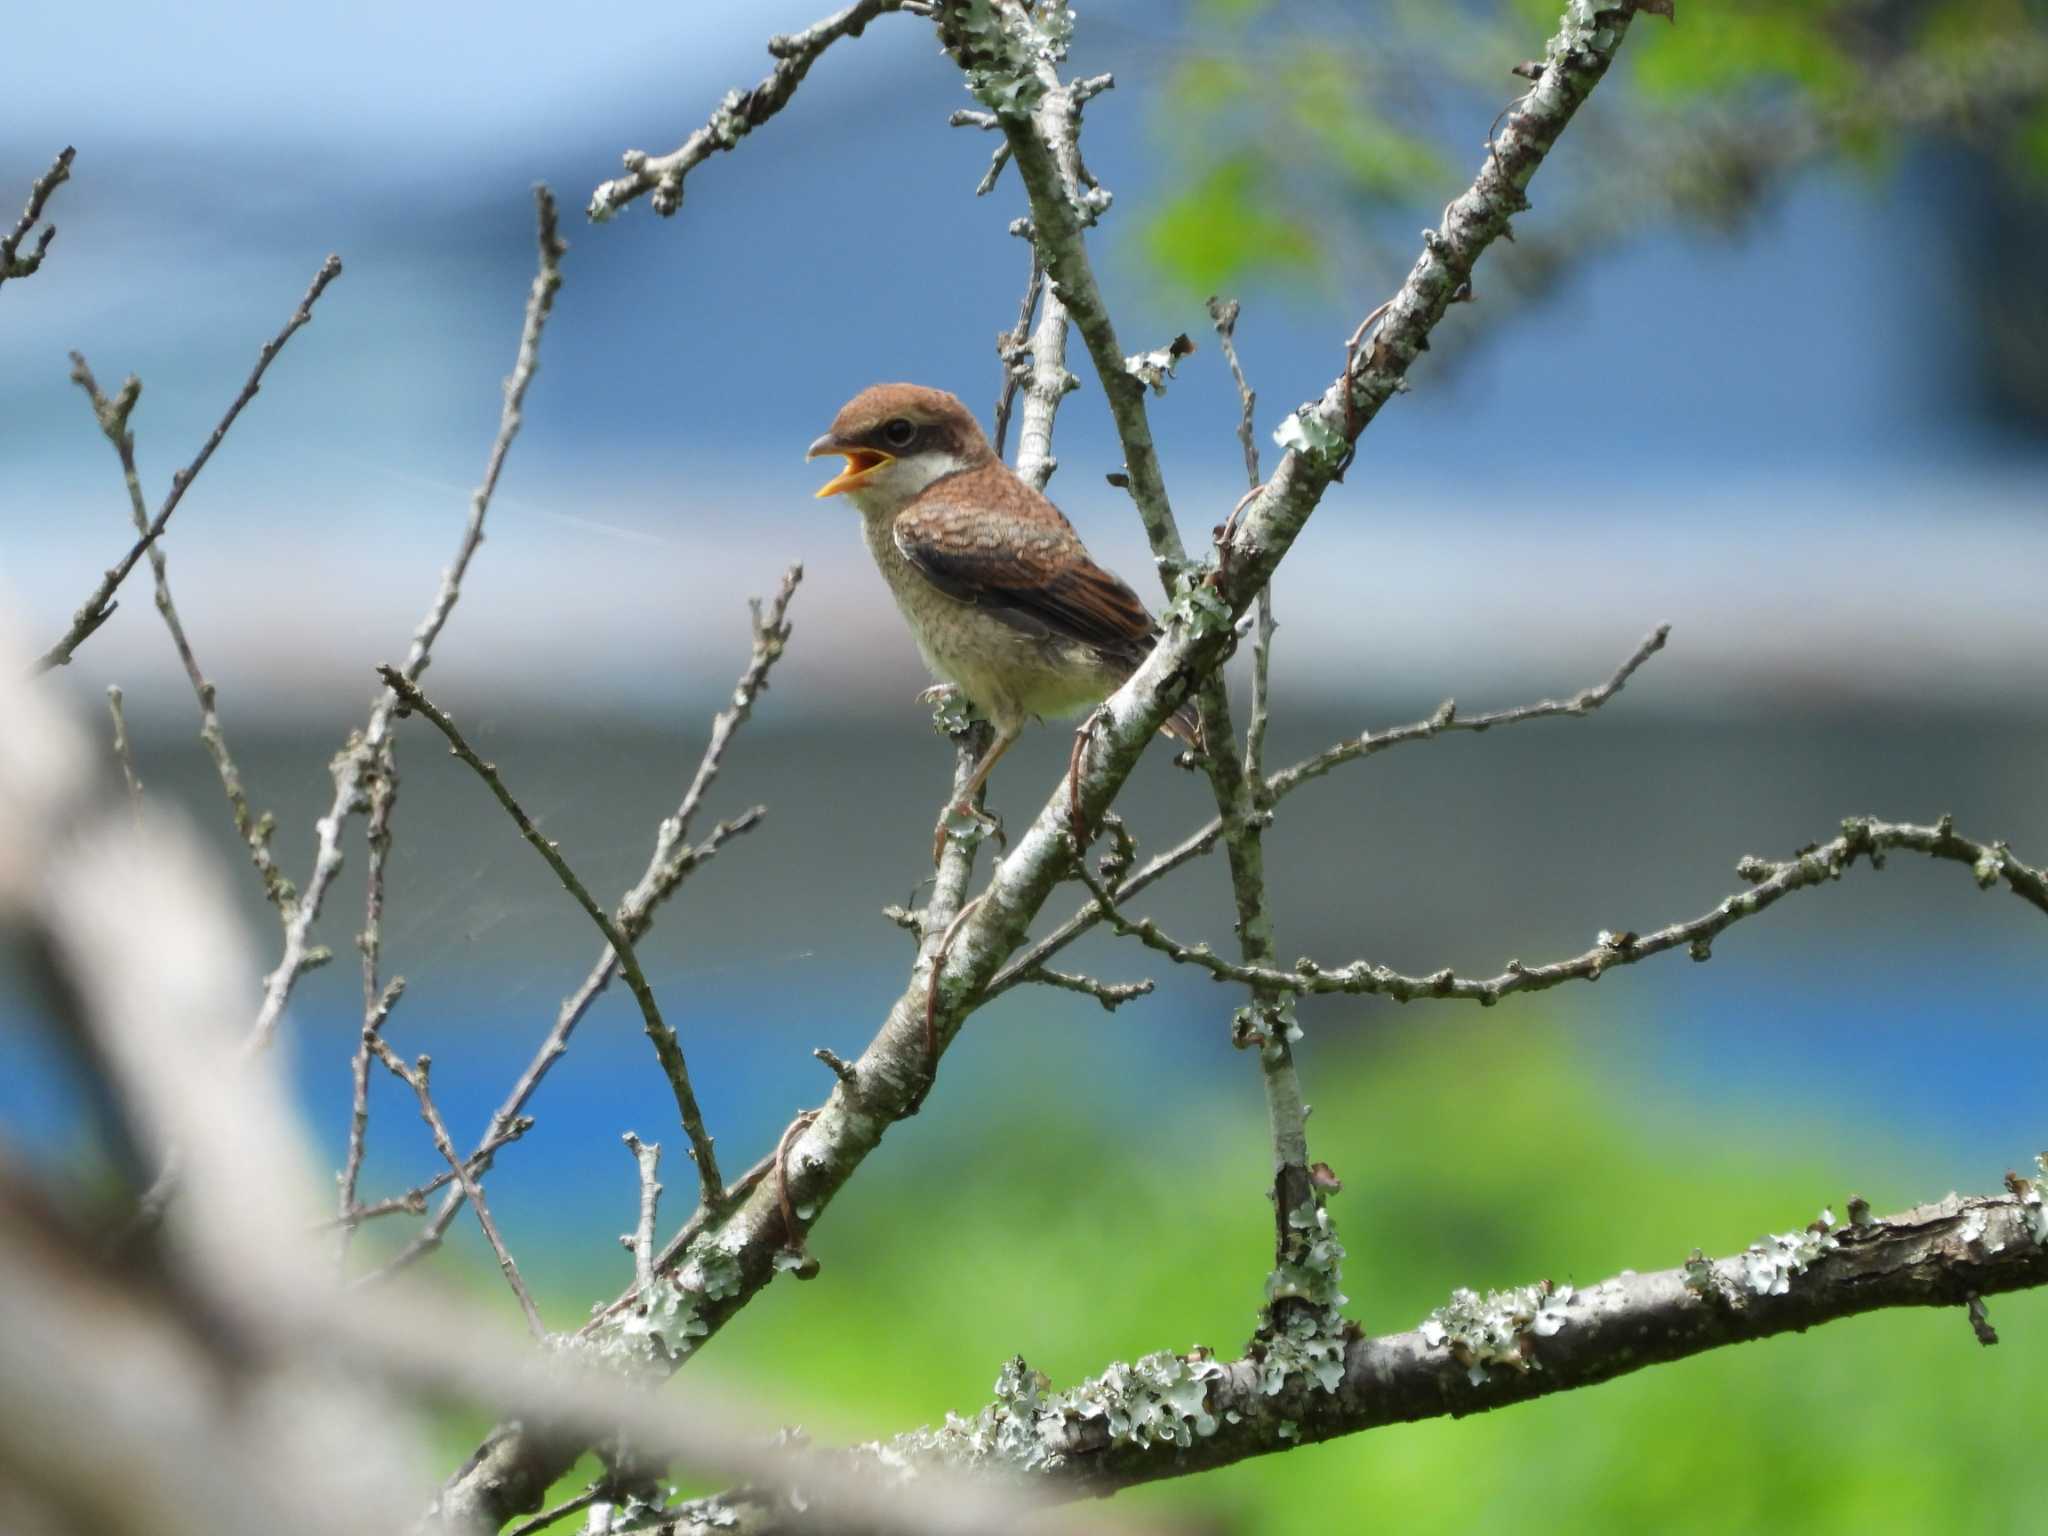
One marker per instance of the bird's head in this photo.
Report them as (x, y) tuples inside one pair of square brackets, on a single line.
[(896, 440)]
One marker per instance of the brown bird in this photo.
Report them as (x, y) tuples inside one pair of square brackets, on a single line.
[(1000, 594)]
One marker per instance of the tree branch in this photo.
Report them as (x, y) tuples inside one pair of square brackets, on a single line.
[(894, 1071), (672, 861), (13, 264), (666, 1046), (365, 755), (415, 1078), (1447, 718), (1169, 1415), (1861, 836), (99, 607), (1287, 780), (737, 115), (254, 830)]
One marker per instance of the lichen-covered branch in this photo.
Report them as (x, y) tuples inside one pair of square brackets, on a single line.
[(1172, 1415), (367, 754), (99, 607), (12, 262), (1010, 56), (667, 1047), (672, 861), (736, 116), (737, 1256), (1771, 881)]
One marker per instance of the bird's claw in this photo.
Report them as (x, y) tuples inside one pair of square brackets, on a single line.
[(968, 824)]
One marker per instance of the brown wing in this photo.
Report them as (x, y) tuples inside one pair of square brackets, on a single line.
[(987, 538)]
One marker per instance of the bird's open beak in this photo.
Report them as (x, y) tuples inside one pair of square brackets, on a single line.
[(860, 463)]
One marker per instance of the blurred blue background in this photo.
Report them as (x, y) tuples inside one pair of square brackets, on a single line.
[(1778, 439)]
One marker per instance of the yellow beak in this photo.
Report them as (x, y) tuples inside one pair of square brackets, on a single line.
[(860, 463)]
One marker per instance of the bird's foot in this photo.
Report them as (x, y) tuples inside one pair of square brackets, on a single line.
[(961, 820), (952, 715)]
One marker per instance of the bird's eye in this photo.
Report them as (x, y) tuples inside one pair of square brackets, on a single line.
[(899, 433)]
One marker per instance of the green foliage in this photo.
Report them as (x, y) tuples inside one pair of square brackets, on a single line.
[(1307, 134), (1486, 1156), (1225, 225)]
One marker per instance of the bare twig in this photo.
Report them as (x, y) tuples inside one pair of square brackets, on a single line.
[(413, 1202), (123, 753), (1011, 349), (737, 115), (666, 1046), (671, 862), (1224, 313), (1447, 718), (363, 757), (1205, 838), (1111, 994), (254, 830), (99, 607), (561, 1511), (1991, 863), (374, 1017), (801, 1264), (13, 264), (647, 1158), (415, 1078)]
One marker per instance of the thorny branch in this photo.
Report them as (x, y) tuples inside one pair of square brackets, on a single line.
[(673, 859), (13, 264), (366, 755), (737, 115), (1770, 880), (666, 1046), (99, 607)]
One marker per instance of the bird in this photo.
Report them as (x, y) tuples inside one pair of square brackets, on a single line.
[(1000, 594)]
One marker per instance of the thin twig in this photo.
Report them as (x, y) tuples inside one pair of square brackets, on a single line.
[(1447, 718), (1991, 863), (1111, 994), (670, 864), (374, 1018), (1205, 838), (123, 753), (13, 264), (415, 1078), (252, 829), (1012, 347), (362, 756), (666, 1046), (561, 1511), (674, 1248), (1224, 313), (737, 115), (647, 1158), (931, 991), (413, 1202), (99, 607)]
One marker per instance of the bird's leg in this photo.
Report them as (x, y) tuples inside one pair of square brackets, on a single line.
[(963, 805)]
